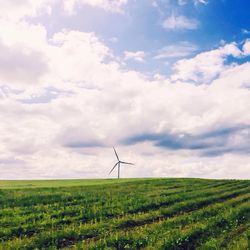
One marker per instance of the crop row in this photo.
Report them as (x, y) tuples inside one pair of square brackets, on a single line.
[(167, 236), (72, 233), (41, 222), (151, 214)]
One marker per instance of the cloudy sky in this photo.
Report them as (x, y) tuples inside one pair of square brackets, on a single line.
[(167, 82)]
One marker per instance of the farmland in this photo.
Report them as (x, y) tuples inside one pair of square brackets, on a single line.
[(172, 213)]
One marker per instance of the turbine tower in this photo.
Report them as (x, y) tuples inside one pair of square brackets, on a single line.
[(119, 164)]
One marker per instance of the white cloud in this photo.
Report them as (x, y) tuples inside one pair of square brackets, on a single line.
[(100, 103), (107, 5), (246, 48), (204, 67), (245, 31), (181, 49), (196, 2), (180, 22), (137, 55), (15, 10), (71, 135), (21, 66), (23, 58), (155, 4), (182, 2), (114, 39)]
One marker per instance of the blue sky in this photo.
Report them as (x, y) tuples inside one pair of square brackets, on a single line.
[(166, 82)]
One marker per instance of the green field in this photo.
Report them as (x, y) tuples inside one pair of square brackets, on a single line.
[(125, 214)]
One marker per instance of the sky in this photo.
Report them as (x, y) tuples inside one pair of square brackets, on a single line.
[(167, 82)]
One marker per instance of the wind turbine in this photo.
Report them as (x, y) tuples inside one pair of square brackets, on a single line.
[(119, 164)]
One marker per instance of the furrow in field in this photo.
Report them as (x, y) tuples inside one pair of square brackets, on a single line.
[(54, 212), (168, 214), (167, 236), (223, 222), (46, 209), (36, 228), (55, 195), (64, 197), (223, 240), (71, 232), (240, 242)]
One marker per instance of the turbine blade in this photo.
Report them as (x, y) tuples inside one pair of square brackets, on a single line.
[(116, 154), (123, 162), (113, 168)]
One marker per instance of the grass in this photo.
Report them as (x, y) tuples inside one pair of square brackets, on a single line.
[(16, 184), (174, 213)]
